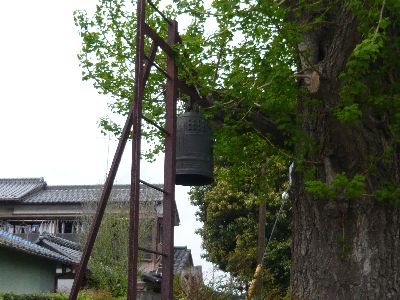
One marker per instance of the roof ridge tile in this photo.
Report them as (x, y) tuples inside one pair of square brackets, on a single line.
[(12, 241)]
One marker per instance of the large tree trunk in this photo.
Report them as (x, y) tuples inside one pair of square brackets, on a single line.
[(342, 248)]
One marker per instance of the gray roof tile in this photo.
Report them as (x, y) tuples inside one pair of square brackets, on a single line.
[(87, 193), (62, 246), (59, 241), (182, 259), (14, 242), (72, 254), (15, 189), (36, 191)]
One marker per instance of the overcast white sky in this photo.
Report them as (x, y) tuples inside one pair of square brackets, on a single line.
[(48, 116)]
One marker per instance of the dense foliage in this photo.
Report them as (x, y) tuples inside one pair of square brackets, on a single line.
[(229, 211), (247, 58), (199, 291), (108, 264), (36, 296)]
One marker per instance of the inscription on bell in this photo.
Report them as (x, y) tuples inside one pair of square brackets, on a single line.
[(194, 163)]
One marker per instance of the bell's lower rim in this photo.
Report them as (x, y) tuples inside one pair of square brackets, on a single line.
[(193, 179)]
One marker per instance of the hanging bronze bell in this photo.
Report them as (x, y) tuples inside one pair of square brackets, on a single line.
[(194, 157)]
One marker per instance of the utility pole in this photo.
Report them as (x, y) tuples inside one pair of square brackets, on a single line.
[(260, 246)]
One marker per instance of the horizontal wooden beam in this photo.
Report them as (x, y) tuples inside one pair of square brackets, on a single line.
[(156, 38)]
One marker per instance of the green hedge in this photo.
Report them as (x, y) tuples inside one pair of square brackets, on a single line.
[(83, 295), (47, 296)]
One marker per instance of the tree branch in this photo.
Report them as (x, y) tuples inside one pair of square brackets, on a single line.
[(260, 122)]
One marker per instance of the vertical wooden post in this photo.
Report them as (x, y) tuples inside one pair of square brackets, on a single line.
[(136, 141), (169, 170)]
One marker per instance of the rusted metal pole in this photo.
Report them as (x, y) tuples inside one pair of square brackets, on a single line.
[(94, 229), (136, 141), (160, 42), (107, 189), (169, 170)]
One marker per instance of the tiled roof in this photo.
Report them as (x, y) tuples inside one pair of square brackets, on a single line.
[(14, 242), (182, 258), (15, 189), (182, 255), (36, 191), (59, 240), (62, 246), (87, 193)]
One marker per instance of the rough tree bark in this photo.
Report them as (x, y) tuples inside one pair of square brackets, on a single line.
[(342, 249)]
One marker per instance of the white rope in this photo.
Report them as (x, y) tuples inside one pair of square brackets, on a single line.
[(285, 196)]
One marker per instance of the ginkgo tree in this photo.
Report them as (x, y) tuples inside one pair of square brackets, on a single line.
[(313, 82)]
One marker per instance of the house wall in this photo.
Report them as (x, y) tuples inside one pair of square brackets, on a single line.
[(64, 285), (22, 273), (6, 210), (48, 210), (148, 295)]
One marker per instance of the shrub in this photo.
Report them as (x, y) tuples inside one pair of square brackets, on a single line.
[(35, 296)]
